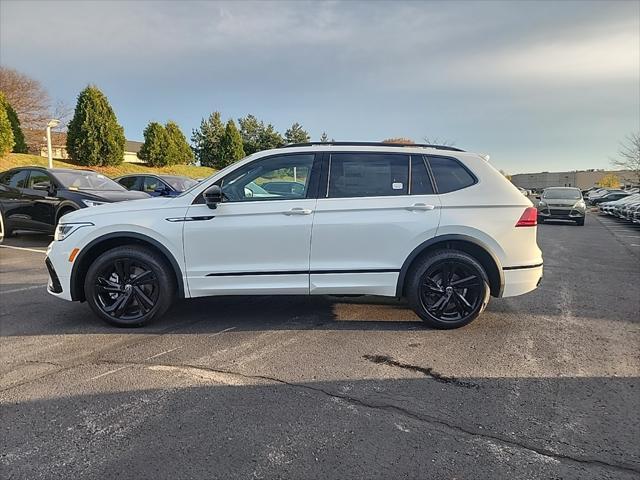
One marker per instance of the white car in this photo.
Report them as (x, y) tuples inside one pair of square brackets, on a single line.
[(436, 225)]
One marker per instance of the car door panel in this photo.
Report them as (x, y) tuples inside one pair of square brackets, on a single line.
[(253, 246), (359, 244), (41, 205), (14, 204)]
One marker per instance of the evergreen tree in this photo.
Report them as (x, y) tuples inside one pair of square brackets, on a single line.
[(6, 133), (250, 131), (269, 138), (94, 136), (296, 134), (178, 151), (230, 146), (18, 137), (206, 140), (324, 138), (156, 145)]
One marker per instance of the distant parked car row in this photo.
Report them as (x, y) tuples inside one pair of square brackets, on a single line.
[(35, 198), (626, 208), (596, 196)]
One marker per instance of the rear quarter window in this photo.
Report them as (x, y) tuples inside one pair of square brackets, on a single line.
[(450, 175)]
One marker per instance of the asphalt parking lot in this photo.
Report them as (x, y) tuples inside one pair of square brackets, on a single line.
[(541, 386)]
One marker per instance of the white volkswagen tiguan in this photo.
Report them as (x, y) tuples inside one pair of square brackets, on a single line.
[(434, 224)]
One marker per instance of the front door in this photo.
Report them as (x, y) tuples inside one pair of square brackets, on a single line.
[(41, 204), (257, 241), (374, 210)]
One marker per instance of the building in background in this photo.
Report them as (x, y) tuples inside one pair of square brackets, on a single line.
[(581, 179), (37, 145)]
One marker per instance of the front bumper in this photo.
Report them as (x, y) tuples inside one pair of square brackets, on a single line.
[(59, 268), (560, 213)]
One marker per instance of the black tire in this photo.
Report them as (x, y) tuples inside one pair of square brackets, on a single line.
[(540, 220), (129, 286), (580, 222), (448, 303), (64, 211)]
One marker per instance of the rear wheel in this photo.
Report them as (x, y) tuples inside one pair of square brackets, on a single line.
[(129, 286), (448, 289)]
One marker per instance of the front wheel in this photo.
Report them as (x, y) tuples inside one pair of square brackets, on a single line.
[(129, 286), (580, 222), (448, 289)]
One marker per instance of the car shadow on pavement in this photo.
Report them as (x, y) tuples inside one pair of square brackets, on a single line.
[(235, 425)]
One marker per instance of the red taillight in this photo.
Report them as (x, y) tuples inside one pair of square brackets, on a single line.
[(529, 218)]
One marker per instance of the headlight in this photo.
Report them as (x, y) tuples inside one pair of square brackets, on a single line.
[(579, 204), (542, 203), (92, 203), (63, 230)]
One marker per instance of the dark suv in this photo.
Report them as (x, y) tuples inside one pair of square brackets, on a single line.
[(34, 198)]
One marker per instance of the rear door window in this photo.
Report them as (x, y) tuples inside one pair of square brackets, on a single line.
[(420, 181), (368, 175), (450, 175), (128, 182), (17, 179)]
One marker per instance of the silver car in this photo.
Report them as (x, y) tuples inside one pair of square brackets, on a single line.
[(561, 203)]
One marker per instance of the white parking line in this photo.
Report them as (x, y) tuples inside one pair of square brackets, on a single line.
[(162, 353), (221, 332), (15, 290), (23, 248), (109, 372)]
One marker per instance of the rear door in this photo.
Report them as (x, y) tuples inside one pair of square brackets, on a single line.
[(14, 205), (373, 210)]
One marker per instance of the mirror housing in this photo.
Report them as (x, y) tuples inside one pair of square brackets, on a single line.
[(161, 190), (213, 196), (537, 197), (43, 186)]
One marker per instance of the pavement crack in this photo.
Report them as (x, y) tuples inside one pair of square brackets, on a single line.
[(427, 371), (476, 432)]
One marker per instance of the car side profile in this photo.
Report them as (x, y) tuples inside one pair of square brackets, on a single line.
[(436, 225), (156, 185), (36, 198)]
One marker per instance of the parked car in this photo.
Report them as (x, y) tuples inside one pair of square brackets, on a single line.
[(609, 197), (524, 191), (434, 224), (35, 198), (561, 203), (156, 185), (622, 207)]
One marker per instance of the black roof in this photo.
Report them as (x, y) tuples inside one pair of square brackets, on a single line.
[(375, 144)]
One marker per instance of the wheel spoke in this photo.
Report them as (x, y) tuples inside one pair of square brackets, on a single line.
[(470, 281), (144, 301), (123, 269), (447, 273), (120, 305), (145, 277), (432, 285), (462, 302), (107, 286), (440, 305)]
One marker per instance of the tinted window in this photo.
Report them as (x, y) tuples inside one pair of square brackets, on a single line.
[(562, 193), (180, 184), (38, 178), (449, 174), (368, 175), (16, 179), (151, 184), (128, 182), (420, 181), (276, 178)]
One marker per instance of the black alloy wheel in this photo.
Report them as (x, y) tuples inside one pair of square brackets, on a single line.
[(449, 289), (129, 286)]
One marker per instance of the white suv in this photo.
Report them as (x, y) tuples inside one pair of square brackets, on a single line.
[(434, 224)]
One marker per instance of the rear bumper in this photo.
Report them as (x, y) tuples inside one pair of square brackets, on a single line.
[(520, 280)]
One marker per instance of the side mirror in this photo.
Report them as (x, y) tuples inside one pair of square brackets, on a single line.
[(161, 191), (44, 186), (213, 196), (537, 197)]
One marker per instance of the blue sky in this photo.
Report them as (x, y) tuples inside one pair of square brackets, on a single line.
[(537, 85)]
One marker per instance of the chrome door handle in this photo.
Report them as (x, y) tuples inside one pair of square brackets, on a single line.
[(420, 207), (299, 211)]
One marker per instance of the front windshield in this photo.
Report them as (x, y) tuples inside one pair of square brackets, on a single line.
[(86, 180), (180, 184), (563, 194)]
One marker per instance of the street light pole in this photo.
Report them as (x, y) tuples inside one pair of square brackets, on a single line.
[(52, 123)]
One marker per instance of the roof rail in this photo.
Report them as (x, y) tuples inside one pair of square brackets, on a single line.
[(375, 144)]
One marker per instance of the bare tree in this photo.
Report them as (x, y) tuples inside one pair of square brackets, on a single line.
[(439, 141), (398, 140), (64, 112), (629, 154), (27, 97)]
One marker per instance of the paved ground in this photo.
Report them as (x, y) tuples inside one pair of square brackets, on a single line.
[(542, 386)]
